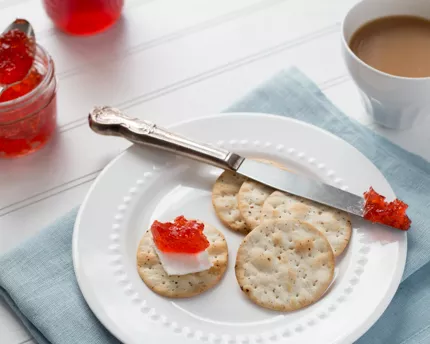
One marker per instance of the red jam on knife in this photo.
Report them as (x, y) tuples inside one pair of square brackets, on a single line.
[(16, 56), (181, 236), (393, 214)]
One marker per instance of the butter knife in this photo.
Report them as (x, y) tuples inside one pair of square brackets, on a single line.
[(112, 122)]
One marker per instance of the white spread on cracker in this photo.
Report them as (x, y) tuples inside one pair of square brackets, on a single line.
[(183, 263)]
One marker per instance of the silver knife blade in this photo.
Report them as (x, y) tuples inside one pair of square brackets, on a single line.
[(299, 185), (110, 121)]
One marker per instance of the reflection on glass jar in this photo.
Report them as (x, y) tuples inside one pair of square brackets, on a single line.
[(28, 122)]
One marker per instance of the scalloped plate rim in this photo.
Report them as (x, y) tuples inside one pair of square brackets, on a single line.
[(116, 331)]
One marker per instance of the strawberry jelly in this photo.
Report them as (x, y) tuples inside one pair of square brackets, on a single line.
[(83, 17), (28, 109), (181, 236), (393, 214), (28, 84), (16, 56)]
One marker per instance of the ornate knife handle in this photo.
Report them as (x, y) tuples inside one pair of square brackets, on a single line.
[(112, 122)]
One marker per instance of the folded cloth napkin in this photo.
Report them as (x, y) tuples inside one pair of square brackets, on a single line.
[(38, 282)]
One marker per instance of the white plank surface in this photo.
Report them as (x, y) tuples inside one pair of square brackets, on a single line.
[(167, 61)]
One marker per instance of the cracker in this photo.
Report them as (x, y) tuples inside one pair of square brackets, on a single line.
[(333, 223), (284, 265), (224, 200), (152, 273), (250, 199)]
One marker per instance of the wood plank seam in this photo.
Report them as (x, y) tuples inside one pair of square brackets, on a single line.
[(230, 66), (197, 28), (49, 193)]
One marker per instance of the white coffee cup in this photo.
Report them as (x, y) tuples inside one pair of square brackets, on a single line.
[(393, 101)]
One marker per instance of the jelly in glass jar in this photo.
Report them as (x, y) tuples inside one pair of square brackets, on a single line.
[(28, 109), (83, 17)]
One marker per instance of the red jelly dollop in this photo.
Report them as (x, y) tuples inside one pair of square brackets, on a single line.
[(393, 214), (30, 82), (16, 56), (181, 236)]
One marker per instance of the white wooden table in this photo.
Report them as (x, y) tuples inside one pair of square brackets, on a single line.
[(166, 61)]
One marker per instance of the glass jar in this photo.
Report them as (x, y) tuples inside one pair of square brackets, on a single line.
[(83, 17), (28, 122)]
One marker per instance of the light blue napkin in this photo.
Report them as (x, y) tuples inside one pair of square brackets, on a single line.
[(37, 279)]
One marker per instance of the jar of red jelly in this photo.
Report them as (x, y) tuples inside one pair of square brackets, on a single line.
[(29, 121), (83, 17)]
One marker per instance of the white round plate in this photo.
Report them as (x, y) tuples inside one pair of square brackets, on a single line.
[(142, 185)]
